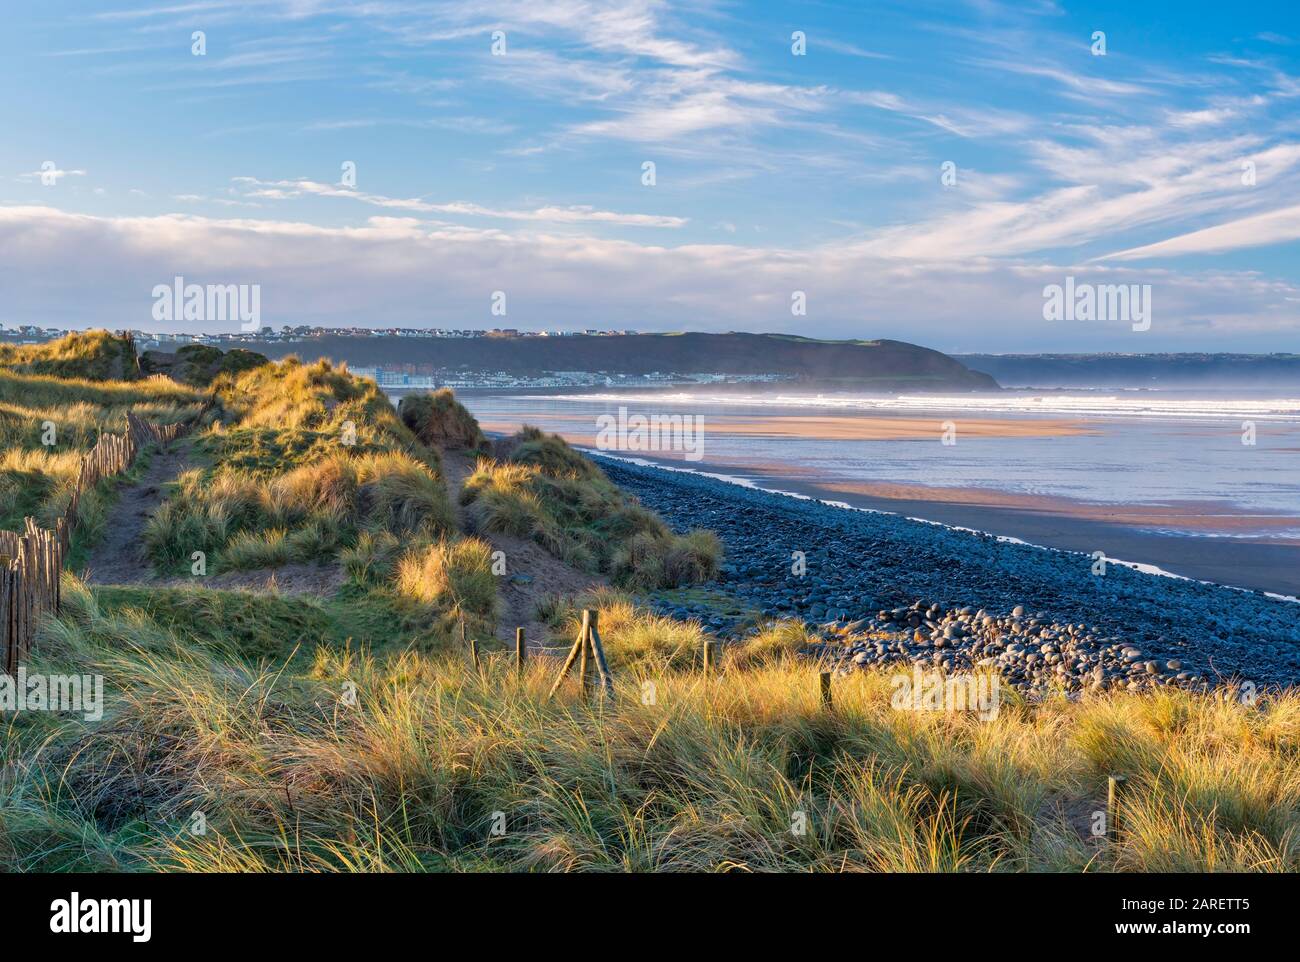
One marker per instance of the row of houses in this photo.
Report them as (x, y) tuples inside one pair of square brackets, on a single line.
[(304, 332), (399, 379)]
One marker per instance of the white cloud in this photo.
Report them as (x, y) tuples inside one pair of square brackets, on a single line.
[(963, 122), (1258, 230), (1200, 118), (1075, 84), (53, 173), (404, 270), (1127, 178), (574, 214)]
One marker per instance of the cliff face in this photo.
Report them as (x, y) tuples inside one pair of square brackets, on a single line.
[(885, 365)]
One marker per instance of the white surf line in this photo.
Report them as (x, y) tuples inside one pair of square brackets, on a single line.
[(1140, 566), (1109, 406)]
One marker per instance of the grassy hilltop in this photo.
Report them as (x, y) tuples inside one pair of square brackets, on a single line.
[(882, 365), (306, 703)]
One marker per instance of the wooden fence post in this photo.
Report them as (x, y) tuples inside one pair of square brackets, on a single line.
[(707, 657), (598, 653), (578, 646), (826, 690), (588, 646), (8, 637), (584, 642), (471, 644), (521, 650), (1114, 796)]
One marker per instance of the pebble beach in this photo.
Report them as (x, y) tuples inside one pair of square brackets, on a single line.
[(877, 588)]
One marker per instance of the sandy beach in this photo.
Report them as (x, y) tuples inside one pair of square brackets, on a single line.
[(1209, 540), (838, 428)]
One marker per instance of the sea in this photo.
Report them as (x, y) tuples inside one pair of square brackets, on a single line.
[(1229, 462)]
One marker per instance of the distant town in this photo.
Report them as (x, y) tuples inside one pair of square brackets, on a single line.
[(150, 340), (423, 377), (410, 376)]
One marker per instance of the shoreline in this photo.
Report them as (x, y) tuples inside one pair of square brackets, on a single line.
[(890, 427), (1271, 566), (860, 564)]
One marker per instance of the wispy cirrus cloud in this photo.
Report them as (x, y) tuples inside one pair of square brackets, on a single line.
[(1073, 83), (1257, 230), (576, 214), (49, 175)]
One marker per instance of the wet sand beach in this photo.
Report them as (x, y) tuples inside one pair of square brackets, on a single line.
[(834, 428), (1211, 540)]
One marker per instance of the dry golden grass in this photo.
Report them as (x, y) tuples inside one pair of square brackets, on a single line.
[(746, 772), (548, 492), (453, 578), (304, 750), (54, 404)]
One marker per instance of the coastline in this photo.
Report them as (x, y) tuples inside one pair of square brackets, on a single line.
[(861, 563), (1161, 536), (1243, 562), (844, 427)]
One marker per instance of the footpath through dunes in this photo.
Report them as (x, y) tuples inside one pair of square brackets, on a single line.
[(532, 574), (561, 526), (119, 556), (914, 592)]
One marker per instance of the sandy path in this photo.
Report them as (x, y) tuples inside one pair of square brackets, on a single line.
[(531, 573), (118, 558)]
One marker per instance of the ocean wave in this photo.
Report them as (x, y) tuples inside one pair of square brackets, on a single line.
[(1113, 406)]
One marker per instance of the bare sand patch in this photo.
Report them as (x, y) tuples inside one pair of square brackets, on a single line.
[(811, 427)]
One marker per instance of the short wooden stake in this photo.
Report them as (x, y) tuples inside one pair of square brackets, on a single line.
[(1114, 794), (826, 690), (708, 658), (471, 644), (521, 650)]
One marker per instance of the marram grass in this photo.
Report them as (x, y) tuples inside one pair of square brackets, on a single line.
[(349, 759), (250, 732)]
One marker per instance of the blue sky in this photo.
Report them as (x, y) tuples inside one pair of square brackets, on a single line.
[(521, 171)]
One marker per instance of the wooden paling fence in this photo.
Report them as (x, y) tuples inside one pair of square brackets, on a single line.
[(31, 562)]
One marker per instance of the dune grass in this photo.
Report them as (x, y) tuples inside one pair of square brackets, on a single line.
[(314, 458), (355, 759), (241, 521), (95, 355), (453, 579), (440, 421), (544, 490), (55, 401)]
